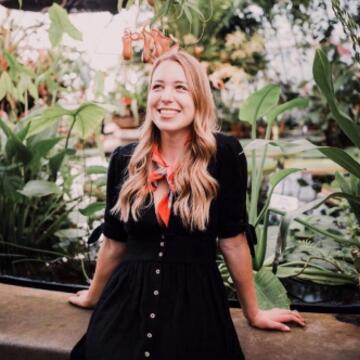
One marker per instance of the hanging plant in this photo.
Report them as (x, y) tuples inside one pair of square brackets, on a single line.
[(155, 43)]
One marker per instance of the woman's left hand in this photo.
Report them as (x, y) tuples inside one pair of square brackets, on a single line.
[(273, 319)]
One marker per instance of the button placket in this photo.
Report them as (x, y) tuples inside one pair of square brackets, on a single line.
[(149, 334)]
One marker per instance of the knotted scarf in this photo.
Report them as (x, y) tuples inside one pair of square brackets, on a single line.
[(161, 170)]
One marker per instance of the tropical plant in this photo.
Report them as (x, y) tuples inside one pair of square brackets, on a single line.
[(347, 271), (263, 105), (35, 194)]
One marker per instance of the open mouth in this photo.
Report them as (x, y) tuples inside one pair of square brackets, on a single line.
[(168, 112)]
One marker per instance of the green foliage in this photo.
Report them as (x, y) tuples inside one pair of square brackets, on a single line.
[(350, 190), (270, 292), (39, 188), (93, 208), (350, 185), (87, 119), (60, 24), (263, 104), (323, 77), (84, 120), (32, 206), (259, 104)]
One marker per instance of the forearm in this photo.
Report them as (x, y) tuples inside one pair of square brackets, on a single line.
[(239, 262), (110, 256)]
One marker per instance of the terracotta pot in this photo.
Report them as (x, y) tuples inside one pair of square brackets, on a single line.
[(125, 122)]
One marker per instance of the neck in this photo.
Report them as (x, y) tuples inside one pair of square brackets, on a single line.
[(172, 145)]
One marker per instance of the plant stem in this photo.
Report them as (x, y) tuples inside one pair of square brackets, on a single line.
[(33, 249), (69, 132), (253, 205)]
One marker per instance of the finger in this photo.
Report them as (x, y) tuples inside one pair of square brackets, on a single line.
[(293, 313), (279, 326), (74, 301), (291, 317), (298, 317)]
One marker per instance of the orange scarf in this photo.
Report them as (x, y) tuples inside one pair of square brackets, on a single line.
[(163, 171)]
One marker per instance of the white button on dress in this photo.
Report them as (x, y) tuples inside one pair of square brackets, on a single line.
[(147, 354), (157, 271), (152, 315), (149, 335), (156, 292)]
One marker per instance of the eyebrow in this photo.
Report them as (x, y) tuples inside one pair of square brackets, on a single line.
[(176, 82)]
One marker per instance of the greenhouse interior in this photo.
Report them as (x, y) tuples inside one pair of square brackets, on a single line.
[(76, 90)]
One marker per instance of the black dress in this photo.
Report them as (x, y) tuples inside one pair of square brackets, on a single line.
[(166, 300)]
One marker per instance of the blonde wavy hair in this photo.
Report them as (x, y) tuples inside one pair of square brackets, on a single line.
[(195, 187)]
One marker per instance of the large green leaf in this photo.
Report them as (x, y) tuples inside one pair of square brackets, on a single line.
[(270, 292), (342, 158), (316, 275), (56, 161), (15, 67), (41, 121), (61, 24), (93, 208), (275, 179), (11, 185), (279, 109), (39, 188), (42, 147), (96, 169), (259, 103), (323, 77), (14, 146), (88, 119), (323, 74), (26, 84), (6, 85), (40, 150)]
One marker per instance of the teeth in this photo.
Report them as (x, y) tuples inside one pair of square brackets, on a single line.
[(168, 112)]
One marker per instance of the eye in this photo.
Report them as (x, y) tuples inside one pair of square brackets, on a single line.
[(156, 86), (181, 87)]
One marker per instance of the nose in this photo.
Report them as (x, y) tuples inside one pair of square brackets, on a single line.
[(166, 95)]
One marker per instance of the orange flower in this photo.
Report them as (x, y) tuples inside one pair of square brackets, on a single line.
[(155, 44), (126, 100), (3, 63), (147, 55), (127, 47), (161, 42)]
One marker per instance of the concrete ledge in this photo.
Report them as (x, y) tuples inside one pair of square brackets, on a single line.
[(40, 325)]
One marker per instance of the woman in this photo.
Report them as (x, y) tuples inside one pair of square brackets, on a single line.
[(169, 198)]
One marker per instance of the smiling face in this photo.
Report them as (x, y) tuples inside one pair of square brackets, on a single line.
[(170, 100)]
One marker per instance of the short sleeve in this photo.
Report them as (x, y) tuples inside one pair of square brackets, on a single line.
[(113, 227), (233, 217)]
